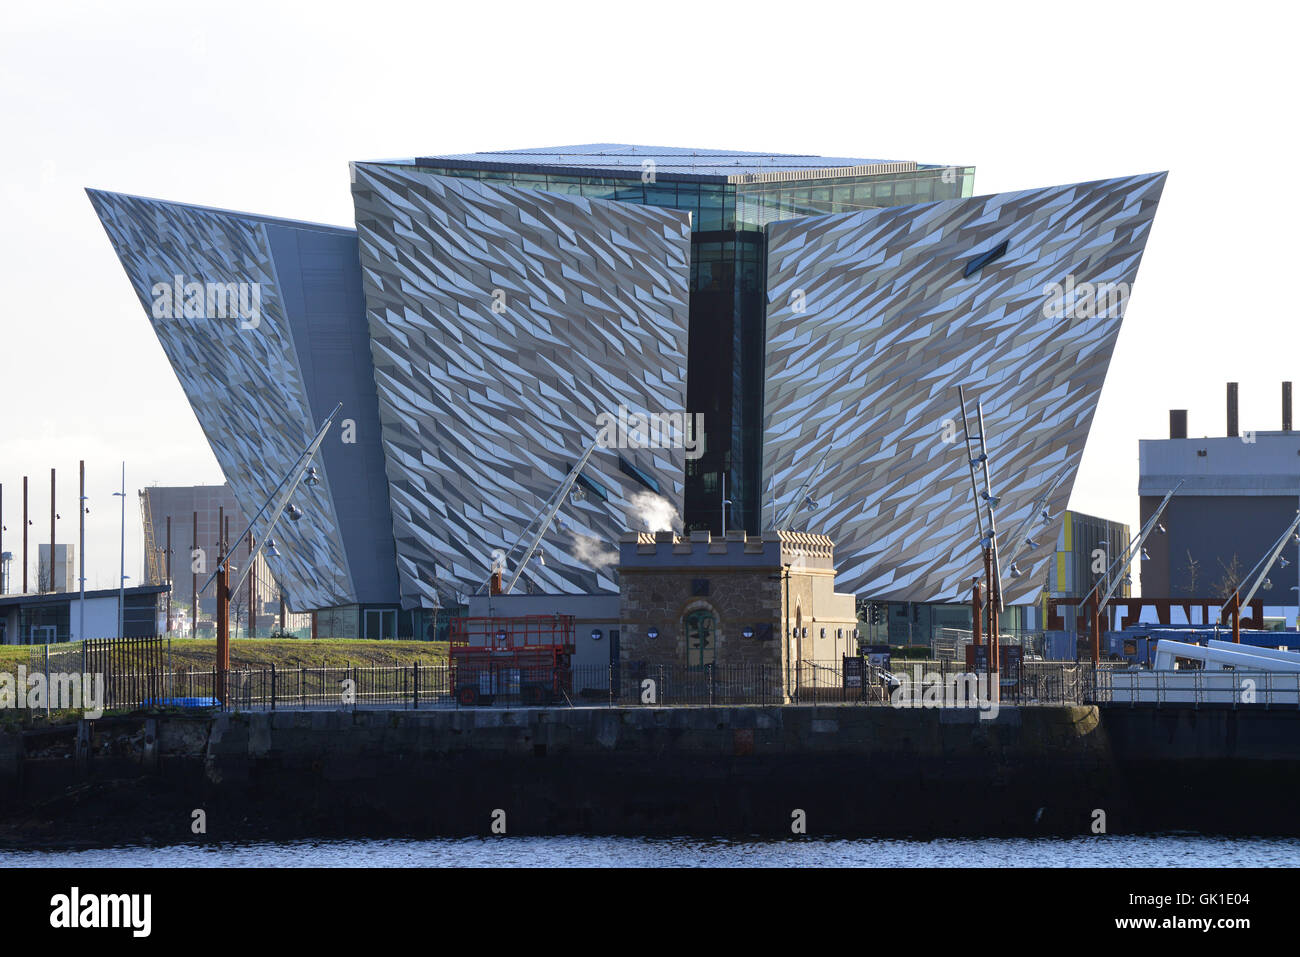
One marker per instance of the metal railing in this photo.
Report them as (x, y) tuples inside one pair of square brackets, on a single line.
[(1196, 687), (949, 644), (660, 685)]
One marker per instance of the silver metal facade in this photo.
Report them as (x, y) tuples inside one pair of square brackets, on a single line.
[(503, 322), (872, 325), (241, 376)]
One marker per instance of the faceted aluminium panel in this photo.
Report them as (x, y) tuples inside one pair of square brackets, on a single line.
[(238, 367), (875, 318), (504, 321)]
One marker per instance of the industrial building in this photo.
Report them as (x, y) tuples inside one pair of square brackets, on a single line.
[(1240, 490), (57, 616), (182, 526), (491, 310), (1086, 548), (62, 575)]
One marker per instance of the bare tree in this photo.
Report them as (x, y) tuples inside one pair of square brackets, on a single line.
[(1193, 569), (238, 616), (1231, 579)]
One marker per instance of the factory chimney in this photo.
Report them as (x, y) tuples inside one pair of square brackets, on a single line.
[(1178, 423), (1232, 409), (1286, 406)]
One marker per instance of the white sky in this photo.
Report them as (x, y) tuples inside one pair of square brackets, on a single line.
[(259, 106)]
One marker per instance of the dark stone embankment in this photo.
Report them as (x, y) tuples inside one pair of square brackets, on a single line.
[(649, 771)]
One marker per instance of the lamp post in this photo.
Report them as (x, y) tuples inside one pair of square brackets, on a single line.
[(988, 537), (81, 553), (121, 585), (53, 516), (725, 502)]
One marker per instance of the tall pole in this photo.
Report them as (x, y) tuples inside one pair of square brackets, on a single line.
[(223, 606), (724, 504), (24, 534), (121, 583), (52, 516), (81, 553), (194, 582), (223, 626), (1094, 629), (169, 574), (995, 616), (252, 591)]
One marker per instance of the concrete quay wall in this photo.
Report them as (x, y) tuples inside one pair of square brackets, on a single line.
[(837, 770)]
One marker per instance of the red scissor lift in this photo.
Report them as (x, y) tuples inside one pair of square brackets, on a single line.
[(528, 658)]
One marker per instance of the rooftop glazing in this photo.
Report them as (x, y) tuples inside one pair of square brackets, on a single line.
[(730, 166)]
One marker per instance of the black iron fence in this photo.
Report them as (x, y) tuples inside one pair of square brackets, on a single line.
[(132, 669), (134, 674), (441, 685)]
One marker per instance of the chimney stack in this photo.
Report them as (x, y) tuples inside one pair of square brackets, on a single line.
[(1178, 423), (1232, 409), (1286, 406)]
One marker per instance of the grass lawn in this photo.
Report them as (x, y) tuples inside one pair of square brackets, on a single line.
[(200, 653)]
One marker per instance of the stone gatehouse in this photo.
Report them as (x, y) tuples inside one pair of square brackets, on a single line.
[(765, 599)]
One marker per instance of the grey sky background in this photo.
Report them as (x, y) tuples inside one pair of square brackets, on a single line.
[(260, 106)]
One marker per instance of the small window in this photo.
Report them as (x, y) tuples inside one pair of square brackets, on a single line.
[(982, 260), (627, 468), (592, 487)]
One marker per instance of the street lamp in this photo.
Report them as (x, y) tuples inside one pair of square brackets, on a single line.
[(725, 502), (121, 585)]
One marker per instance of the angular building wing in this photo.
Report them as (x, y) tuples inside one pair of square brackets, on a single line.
[(504, 323), (261, 320), (873, 321), (494, 314)]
